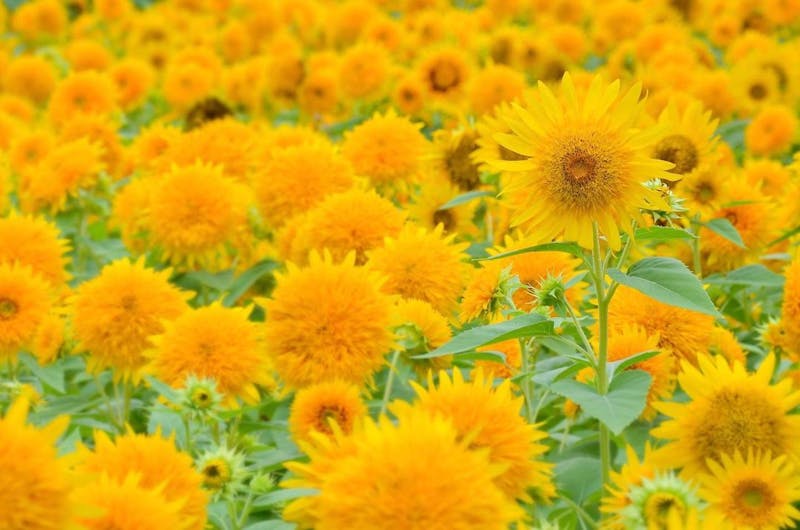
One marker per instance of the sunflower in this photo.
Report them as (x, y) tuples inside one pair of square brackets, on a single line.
[(37, 493), (197, 215), (772, 131), (751, 214), (662, 502), (151, 144), (364, 70), (216, 342), (487, 148), (681, 331), (419, 329), (223, 471), (65, 170), (319, 93), (316, 406), (725, 343), (586, 163), (129, 213), (158, 465), (489, 418), (451, 156), (687, 137), (127, 505), (425, 265), (87, 54), (754, 86), (25, 300), (484, 295), (327, 321), (82, 93), (433, 193), (418, 473), (28, 149), (729, 410), (100, 130), (409, 95), (353, 220), (493, 85), (297, 177), (769, 176), (753, 492), (49, 338), (386, 148), (30, 76), (36, 243), (115, 314), (444, 72), (185, 84), (633, 472), (790, 308), (134, 78)]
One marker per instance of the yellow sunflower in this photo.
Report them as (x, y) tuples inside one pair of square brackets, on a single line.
[(353, 220), (790, 309), (127, 505), (686, 138), (445, 71), (586, 162), (82, 93), (419, 329), (495, 84), (36, 243), (684, 332), (215, 342), (31, 76), (297, 177), (386, 148), (432, 194), (38, 488), (28, 149), (729, 410), (635, 470), (197, 216), (316, 406), (327, 321), (489, 418), (418, 473), (754, 492), (115, 314), (424, 265), (772, 131), (25, 301), (156, 462), (451, 156)]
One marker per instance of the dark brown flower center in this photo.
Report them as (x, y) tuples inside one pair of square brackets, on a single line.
[(758, 91), (8, 308), (445, 217), (679, 150), (460, 168)]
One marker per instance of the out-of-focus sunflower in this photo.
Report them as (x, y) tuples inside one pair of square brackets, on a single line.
[(426, 209), (421, 264), (316, 406), (585, 162), (115, 314), (728, 410), (753, 492), (25, 301), (82, 93), (364, 71), (451, 156), (419, 329), (38, 492), (445, 71), (36, 243), (687, 137), (156, 462), (417, 473), (772, 131), (32, 77), (134, 78), (493, 85), (215, 342)]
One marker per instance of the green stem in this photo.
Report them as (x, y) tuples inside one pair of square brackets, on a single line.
[(112, 415), (587, 349), (696, 258), (187, 426), (127, 393), (529, 350), (602, 350), (245, 510), (387, 392)]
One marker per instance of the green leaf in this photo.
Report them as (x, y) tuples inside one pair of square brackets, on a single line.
[(569, 248), (620, 365), (52, 375), (794, 231), (492, 356), (617, 409), (247, 279), (724, 228), (528, 325), (578, 477), (668, 281), (662, 233), (281, 496), (755, 275), (464, 198), (274, 524)]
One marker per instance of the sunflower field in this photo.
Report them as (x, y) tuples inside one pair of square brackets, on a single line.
[(399, 264)]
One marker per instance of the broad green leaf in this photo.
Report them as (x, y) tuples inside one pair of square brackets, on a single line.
[(528, 325), (617, 409), (274, 524), (281, 496), (724, 228), (52, 375), (242, 283), (620, 365), (794, 231), (755, 275), (569, 248), (492, 356), (662, 233), (578, 477), (668, 281), (464, 198)]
